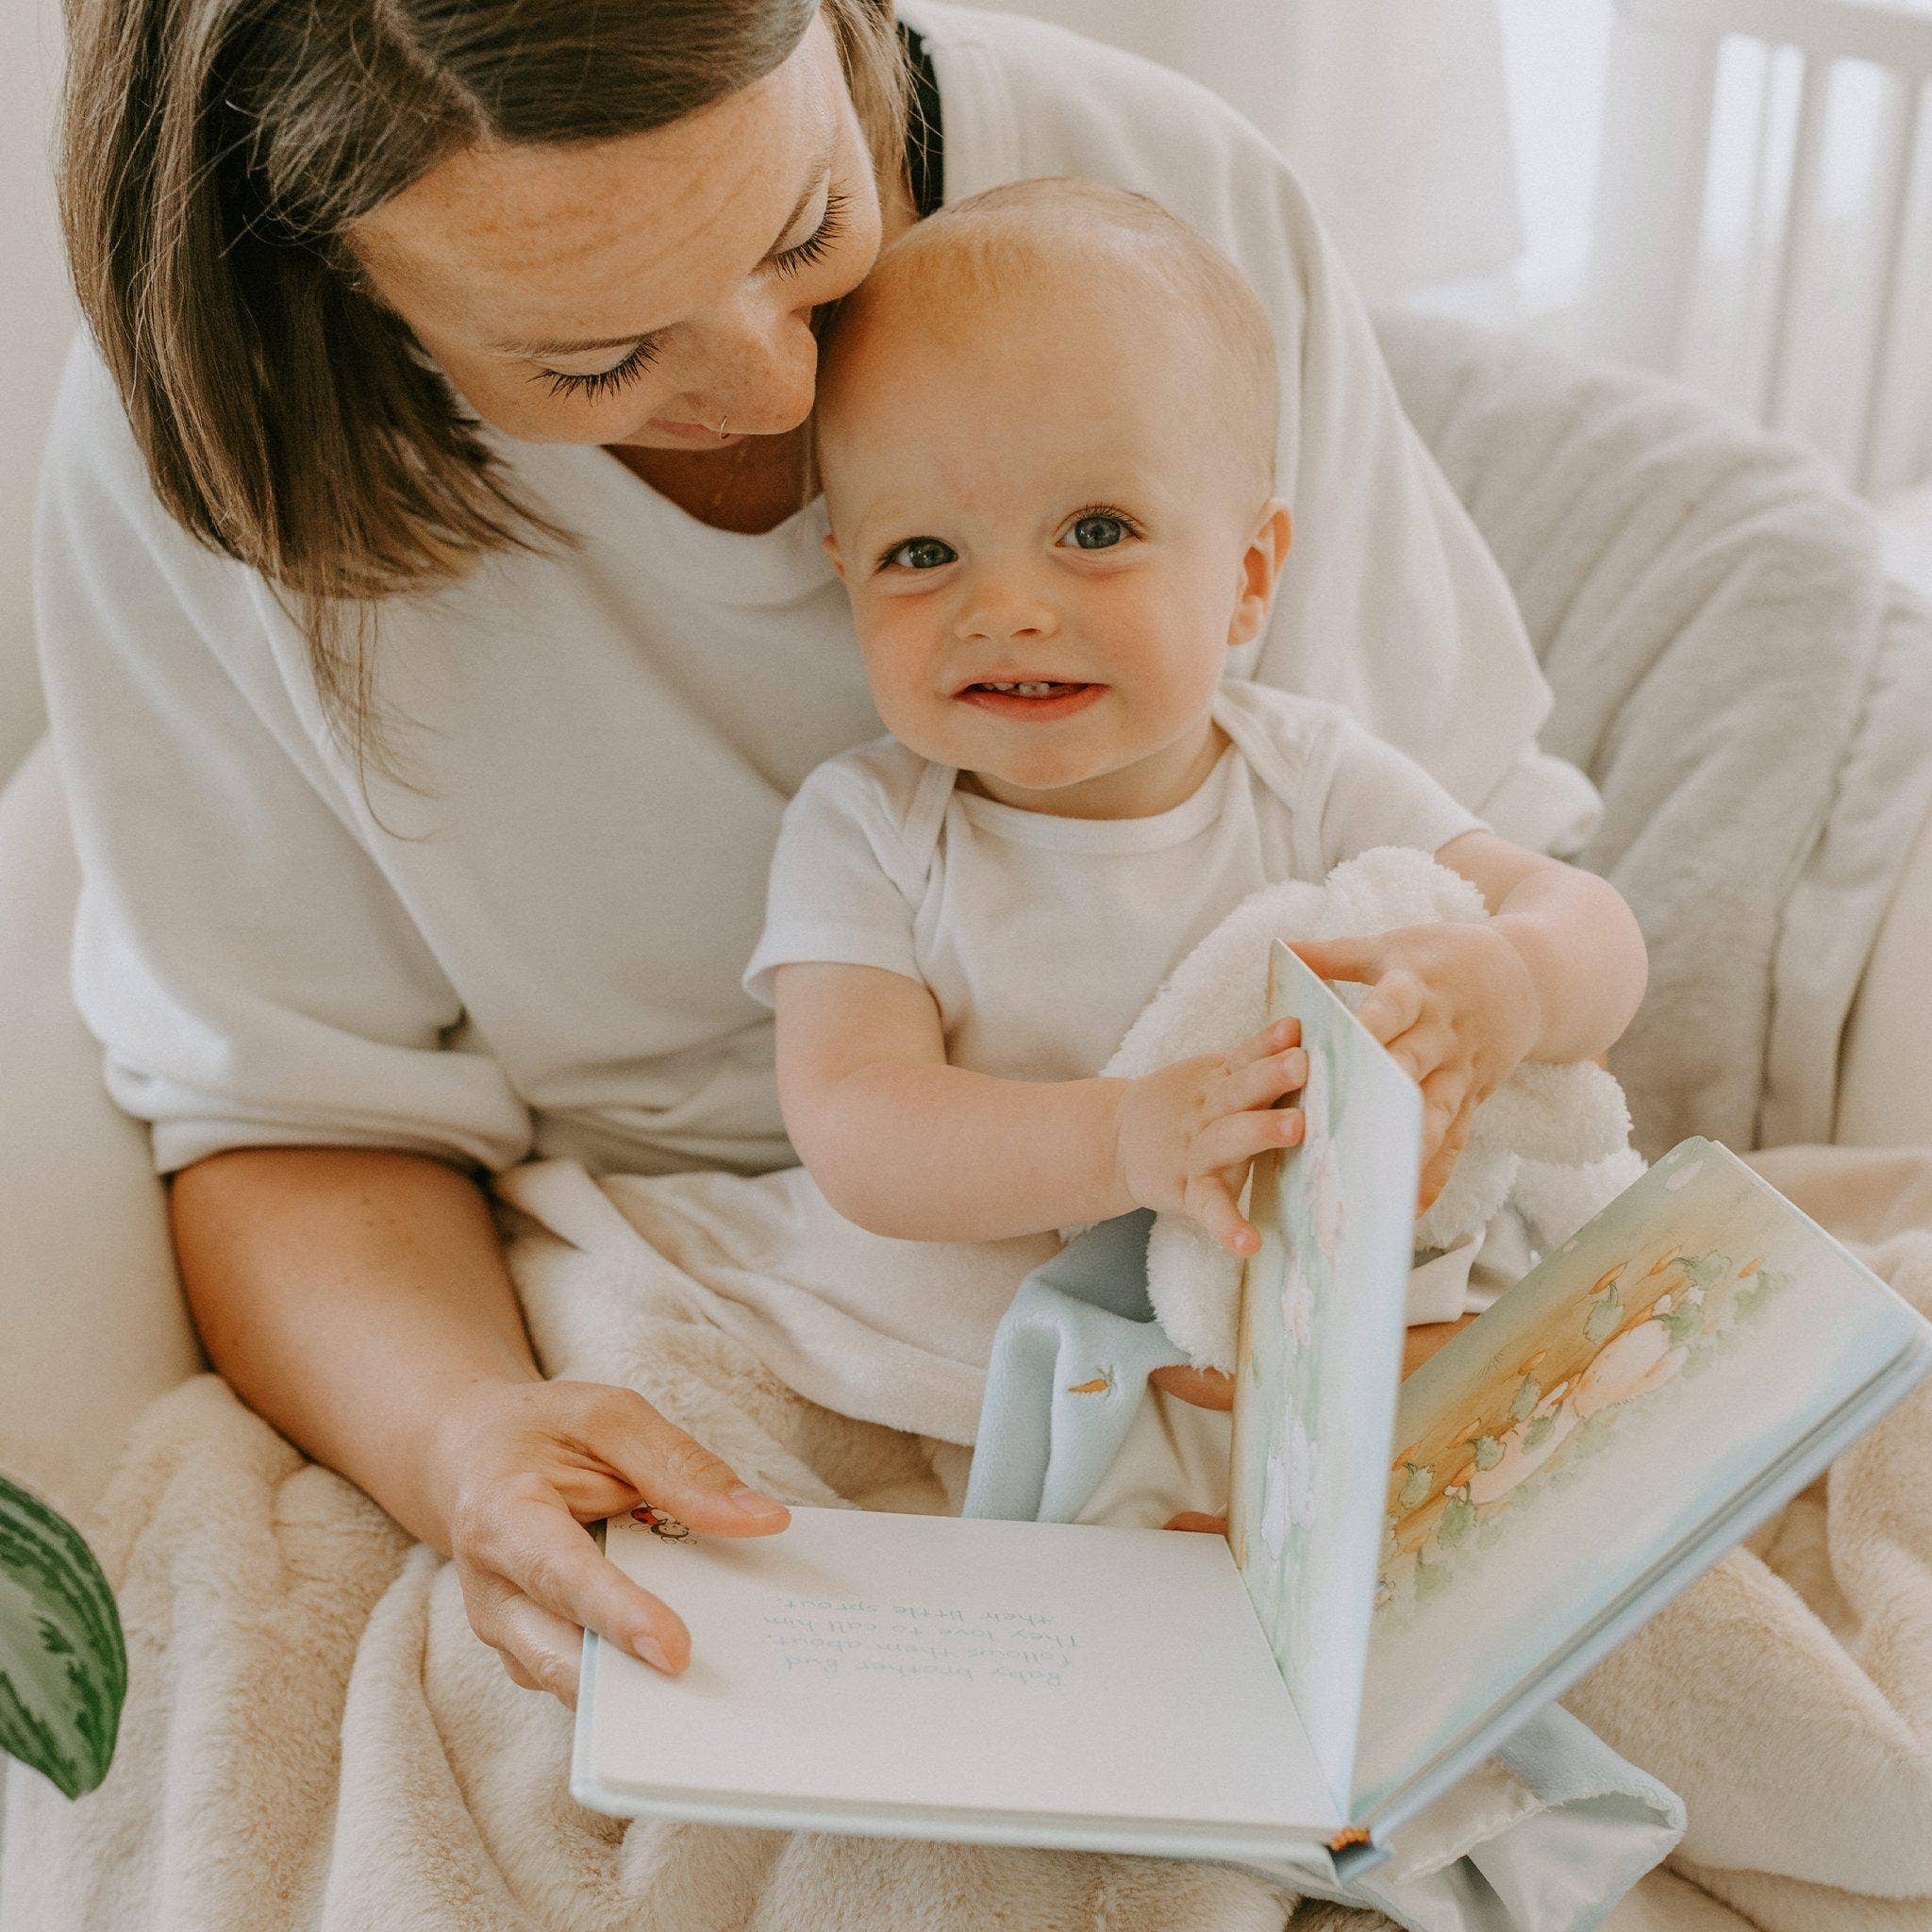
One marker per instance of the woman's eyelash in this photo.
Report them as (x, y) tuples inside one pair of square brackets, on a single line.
[(607, 381), (831, 225)]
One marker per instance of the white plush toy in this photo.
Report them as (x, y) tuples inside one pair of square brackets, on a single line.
[(1551, 1145)]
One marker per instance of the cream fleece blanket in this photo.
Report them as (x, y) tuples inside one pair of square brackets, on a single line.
[(316, 1740)]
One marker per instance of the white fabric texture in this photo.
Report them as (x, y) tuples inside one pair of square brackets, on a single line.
[(1040, 938), (1551, 1146), (544, 948), (1395, 114), (315, 1742), (1740, 674)]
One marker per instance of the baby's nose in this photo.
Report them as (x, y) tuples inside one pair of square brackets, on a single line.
[(1006, 610)]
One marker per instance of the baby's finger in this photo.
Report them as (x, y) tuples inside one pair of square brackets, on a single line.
[(1276, 1037), (1210, 1202), (1423, 1048), (1394, 1006), (1339, 958), (1235, 1138), (1260, 1083), (1445, 1133)]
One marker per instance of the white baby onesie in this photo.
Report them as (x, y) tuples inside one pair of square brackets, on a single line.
[(1041, 938)]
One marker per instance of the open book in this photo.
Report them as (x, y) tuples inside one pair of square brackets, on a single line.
[(1407, 1574)]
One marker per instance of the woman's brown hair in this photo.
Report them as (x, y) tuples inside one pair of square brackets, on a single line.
[(213, 152)]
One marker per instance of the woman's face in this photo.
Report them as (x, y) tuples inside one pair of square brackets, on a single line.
[(642, 289)]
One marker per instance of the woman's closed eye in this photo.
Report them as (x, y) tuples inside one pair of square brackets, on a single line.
[(788, 261), (831, 225), (602, 382)]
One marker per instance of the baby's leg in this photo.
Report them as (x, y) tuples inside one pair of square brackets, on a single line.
[(1174, 1459)]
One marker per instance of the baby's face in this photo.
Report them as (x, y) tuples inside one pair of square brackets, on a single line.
[(1048, 546)]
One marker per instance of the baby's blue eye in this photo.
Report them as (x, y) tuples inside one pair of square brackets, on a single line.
[(920, 553), (1098, 532)]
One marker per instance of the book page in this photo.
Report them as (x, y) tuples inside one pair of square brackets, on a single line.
[(1321, 1327), (1558, 1450), (930, 1664)]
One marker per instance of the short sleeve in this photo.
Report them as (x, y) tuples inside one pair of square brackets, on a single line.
[(250, 974), (843, 880), (1364, 792)]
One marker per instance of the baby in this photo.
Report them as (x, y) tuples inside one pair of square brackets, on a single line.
[(1047, 429)]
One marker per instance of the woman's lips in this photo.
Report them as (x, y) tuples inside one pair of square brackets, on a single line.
[(1060, 700)]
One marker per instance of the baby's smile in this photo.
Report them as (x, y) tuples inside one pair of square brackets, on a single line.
[(1036, 699)]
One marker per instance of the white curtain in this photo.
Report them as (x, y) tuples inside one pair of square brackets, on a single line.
[(1393, 112)]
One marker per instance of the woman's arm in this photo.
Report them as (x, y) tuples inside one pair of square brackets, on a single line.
[(350, 1298), (360, 1301)]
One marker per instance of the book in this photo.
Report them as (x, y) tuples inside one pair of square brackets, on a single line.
[(1412, 1567)]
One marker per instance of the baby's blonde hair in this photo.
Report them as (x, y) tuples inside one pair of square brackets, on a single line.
[(998, 239)]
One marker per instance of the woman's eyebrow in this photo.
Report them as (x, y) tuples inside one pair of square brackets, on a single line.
[(813, 183)]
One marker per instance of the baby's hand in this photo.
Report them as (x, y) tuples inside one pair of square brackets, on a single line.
[(1457, 1008), (1184, 1136)]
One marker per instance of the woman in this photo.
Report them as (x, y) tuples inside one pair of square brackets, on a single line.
[(434, 626)]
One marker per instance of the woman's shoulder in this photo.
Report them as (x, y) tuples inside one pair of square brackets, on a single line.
[(91, 459), (1057, 102), (115, 568)]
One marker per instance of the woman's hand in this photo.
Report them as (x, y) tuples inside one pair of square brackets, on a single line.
[(1184, 1136), (1458, 1010), (519, 1468)]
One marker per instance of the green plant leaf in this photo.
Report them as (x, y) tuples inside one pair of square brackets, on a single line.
[(63, 1665)]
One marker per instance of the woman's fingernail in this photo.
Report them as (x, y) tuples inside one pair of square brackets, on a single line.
[(647, 1647), (754, 1504)]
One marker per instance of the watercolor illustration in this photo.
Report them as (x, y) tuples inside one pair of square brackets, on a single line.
[(1560, 1454), (1598, 1346)]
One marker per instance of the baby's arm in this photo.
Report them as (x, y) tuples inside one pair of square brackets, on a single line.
[(1575, 934), (907, 1145), (1554, 974)]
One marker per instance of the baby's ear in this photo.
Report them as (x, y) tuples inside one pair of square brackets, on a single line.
[(1261, 564), (831, 544)]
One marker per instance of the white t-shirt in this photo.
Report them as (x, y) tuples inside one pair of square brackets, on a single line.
[(1041, 938), (540, 947)]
